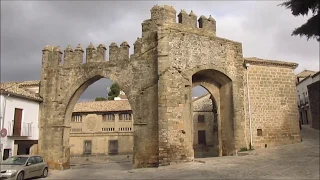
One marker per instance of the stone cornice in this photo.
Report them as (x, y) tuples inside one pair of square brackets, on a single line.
[(265, 62)]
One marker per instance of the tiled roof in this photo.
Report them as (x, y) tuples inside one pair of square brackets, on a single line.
[(30, 83), (258, 61), (207, 95), (202, 103), (306, 73), (102, 106), (16, 88)]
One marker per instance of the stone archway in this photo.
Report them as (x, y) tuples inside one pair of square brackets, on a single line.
[(158, 79), (149, 77), (63, 83), (219, 86)]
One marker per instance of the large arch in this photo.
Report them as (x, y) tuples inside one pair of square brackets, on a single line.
[(63, 83)]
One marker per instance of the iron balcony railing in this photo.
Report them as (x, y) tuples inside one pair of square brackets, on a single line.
[(24, 130)]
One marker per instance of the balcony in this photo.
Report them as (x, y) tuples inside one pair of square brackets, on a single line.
[(306, 100), (24, 131)]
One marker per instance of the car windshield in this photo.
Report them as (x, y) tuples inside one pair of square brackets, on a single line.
[(15, 160)]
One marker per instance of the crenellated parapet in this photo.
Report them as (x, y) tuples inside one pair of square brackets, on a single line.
[(188, 19), (53, 56), (119, 53), (164, 14), (137, 46)]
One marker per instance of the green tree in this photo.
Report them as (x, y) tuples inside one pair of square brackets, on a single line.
[(302, 7), (100, 99), (114, 91)]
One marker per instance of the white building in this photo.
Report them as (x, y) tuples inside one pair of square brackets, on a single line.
[(303, 80), (19, 117)]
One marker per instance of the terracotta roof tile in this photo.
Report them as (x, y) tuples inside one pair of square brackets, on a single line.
[(102, 106), (16, 88), (30, 83)]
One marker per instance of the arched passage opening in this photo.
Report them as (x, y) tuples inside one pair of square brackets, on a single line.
[(100, 121), (217, 103), (205, 123)]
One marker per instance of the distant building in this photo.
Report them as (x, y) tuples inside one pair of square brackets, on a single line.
[(19, 117), (101, 128), (314, 100), (122, 96), (303, 75), (304, 79)]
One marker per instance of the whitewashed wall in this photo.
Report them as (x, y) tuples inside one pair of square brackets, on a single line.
[(29, 115)]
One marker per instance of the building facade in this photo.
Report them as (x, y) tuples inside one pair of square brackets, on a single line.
[(101, 128), (19, 117), (314, 100), (304, 79)]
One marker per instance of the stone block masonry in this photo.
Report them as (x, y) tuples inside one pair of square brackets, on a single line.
[(274, 110), (168, 60)]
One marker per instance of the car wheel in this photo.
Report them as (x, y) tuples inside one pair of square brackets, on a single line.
[(20, 176), (45, 172)]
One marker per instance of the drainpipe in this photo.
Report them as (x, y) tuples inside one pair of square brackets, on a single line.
[(249, 106), (4, 110)]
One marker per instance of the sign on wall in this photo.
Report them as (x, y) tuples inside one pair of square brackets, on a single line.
[(3, 132)]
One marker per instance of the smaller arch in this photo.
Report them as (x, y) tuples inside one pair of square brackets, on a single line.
[(214, 79), (207, 110), (211, 68)]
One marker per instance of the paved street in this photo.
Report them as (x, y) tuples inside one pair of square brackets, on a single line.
[(295, 161)]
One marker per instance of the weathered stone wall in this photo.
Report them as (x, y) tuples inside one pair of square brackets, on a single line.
[(186, 51), (100, 143), (273, 102), (314, 103)]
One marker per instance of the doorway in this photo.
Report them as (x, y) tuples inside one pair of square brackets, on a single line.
[(202, 137), (87, 147), (17, 122), (6, 154), (113, 146)]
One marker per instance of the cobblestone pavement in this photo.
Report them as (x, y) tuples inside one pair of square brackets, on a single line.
[(295, 161)]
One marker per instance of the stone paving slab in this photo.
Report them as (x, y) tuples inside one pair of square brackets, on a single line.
[(294, 161)]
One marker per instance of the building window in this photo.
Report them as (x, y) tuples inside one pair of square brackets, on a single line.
[(125, 117), (108, 117), (125, 129), (107, 129), (202, 137), (200, 118), (259, 132), (76, 118), (76, 129)]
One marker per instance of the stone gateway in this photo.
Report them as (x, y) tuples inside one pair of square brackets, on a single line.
[(169, 59)]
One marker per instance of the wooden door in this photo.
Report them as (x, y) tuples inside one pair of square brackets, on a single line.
[(17, 122), (202, 137), (87, 147), (113, 146)]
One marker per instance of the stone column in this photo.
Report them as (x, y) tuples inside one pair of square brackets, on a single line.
[(174, 108), (116, 123)]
